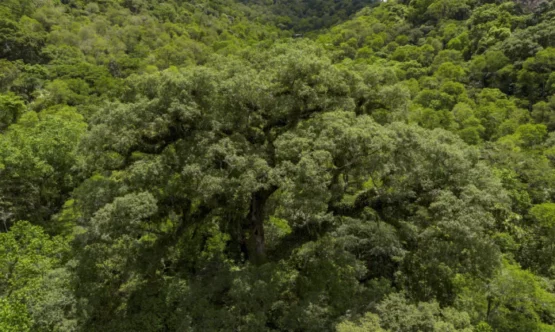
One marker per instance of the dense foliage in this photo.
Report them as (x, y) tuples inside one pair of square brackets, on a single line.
[(219, 165)]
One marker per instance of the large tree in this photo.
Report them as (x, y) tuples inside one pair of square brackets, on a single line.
[(250, 146)]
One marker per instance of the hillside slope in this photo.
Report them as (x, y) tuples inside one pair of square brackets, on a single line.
[(202, 166)]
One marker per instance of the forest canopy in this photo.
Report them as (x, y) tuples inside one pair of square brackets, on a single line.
[(313, 165)]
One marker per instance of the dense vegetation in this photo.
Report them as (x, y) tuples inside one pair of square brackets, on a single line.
[(220, 165)]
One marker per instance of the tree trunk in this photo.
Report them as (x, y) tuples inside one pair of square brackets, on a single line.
[(253, 229), (490, 304)]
